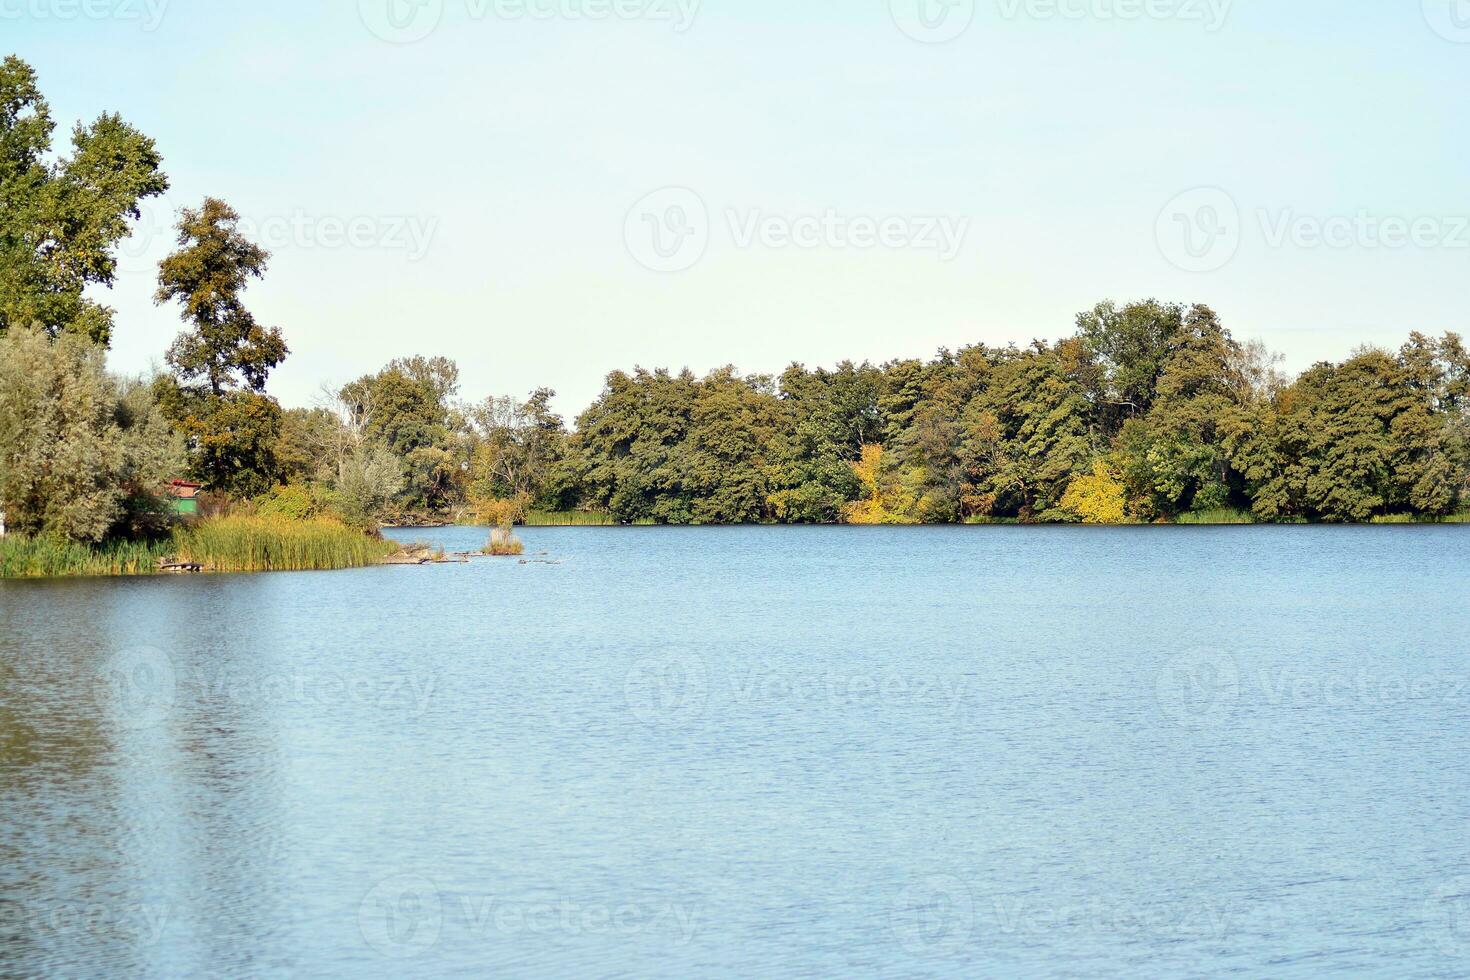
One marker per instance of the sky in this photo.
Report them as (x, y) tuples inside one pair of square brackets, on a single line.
[(548, 190)]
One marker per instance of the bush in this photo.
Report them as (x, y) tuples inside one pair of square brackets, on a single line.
[(77, 445), (296, 502), (504, 544), (499, 512), (1097, 499)]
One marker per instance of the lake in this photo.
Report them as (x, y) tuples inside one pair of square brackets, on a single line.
[(770, 752)]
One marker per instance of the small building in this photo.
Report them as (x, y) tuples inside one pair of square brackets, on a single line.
[(185, 496)]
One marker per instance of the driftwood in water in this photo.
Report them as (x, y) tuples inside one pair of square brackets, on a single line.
[(179, 567)]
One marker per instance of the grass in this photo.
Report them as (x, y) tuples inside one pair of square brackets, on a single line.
[(274, 544), (575, 518), (504, 544), (1415, 519), (1218, 515), (22, 557)]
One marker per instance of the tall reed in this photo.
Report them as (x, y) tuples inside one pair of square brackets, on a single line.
[(574, 518), (274, 544), (23, 557)]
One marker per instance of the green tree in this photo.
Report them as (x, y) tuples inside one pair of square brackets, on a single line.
[(81, 454), (518, 446), (406, 408), (61, 221), (232, 438), (224, 348)]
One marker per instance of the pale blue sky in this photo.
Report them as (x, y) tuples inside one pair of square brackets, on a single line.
[(516, 147)]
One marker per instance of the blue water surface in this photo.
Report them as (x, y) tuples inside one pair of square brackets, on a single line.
[(753, 752)]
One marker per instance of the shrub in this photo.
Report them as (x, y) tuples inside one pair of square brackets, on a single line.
[(504, 544), (498, 511), (1097, 499)]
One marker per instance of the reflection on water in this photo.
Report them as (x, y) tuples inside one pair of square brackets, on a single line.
[(752, 752)]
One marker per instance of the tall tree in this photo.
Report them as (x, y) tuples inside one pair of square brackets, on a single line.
[(225, 347), (221, 363), (61, 222)]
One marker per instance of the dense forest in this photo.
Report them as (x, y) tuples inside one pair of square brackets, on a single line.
[(1144, 412), (1147, 411)]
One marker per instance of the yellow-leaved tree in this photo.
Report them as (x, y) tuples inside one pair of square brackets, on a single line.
[(889, 500), (1097, 499)]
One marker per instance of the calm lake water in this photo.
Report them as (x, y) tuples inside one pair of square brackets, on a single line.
[(753, 752)]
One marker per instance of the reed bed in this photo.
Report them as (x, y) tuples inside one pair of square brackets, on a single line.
[(273, 544), (1218, 515), (22, 557), (574, 518)]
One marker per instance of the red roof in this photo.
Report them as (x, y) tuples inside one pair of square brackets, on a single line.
[(184, 490)]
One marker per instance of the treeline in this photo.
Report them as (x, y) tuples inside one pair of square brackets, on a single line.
[(1148, 411), (1145, 412)]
